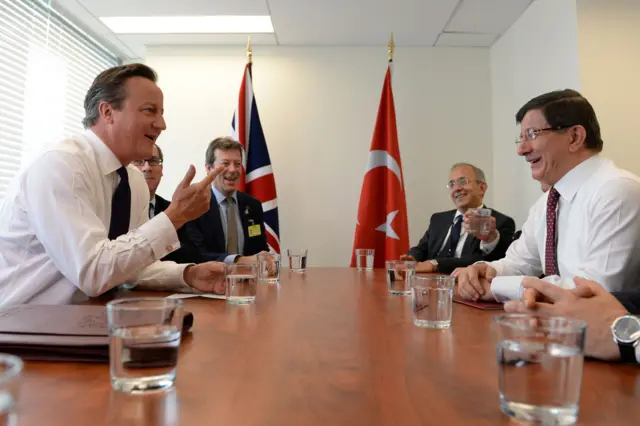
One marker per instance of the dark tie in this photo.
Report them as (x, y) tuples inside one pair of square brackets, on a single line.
[(150, 210), (455, 235), (550, 258), (232, 227), (120, 206)]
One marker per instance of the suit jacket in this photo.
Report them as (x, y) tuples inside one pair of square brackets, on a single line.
[(429, 246), (630, 300), (187, 253), (207, 236)]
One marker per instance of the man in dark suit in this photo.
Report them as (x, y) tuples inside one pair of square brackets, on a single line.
[(449, 243), (152, 169), (232, 231)]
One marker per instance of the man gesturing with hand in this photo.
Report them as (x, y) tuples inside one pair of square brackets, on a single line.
[(75, 223)]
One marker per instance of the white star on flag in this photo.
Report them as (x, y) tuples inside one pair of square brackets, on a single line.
[(386, 227)]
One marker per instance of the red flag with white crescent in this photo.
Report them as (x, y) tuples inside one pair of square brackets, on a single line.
[(382, 213)]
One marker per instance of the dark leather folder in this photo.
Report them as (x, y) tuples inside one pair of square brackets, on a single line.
[(76, 333), (485, 306)]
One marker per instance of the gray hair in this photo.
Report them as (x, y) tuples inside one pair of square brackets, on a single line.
[(478, 171), (109, 87)]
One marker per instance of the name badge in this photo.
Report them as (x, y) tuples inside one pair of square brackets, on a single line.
[(254, 231)]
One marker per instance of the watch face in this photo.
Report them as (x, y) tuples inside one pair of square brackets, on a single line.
[(626, 329)]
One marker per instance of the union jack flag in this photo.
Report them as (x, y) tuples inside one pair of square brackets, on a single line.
[(258, 180)]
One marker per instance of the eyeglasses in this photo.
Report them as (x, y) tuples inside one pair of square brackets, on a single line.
[(153, 161), (460, 182), (531, 133)]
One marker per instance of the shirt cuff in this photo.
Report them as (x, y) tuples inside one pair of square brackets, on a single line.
[(506, 288), (638, 353), (161, 234), (231, 259), (487, 248)]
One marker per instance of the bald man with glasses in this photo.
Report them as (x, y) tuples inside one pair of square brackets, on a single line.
[(449, 243)]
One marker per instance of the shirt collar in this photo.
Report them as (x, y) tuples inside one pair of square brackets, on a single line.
[(153, 202), (107, 160), (570, 183), (220, 197)]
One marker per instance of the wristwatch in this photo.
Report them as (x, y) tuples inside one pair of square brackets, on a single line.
[(435, 265), (626, 333)]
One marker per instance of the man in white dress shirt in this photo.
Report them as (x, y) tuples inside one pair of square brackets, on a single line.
[(586, 225), (75, 223)]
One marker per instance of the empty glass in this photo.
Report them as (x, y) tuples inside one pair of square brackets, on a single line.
[(10, 371), (269, 267), (364, 259), (432, 300), (297, 259), (540, 367), (144, 341), (399, 274), (241, 283)]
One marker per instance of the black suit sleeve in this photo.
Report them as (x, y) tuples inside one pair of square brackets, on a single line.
[(506, 228), (421, 252), (630, 300), (196, 239)]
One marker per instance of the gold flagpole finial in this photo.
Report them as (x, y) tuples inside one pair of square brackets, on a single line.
[(392, 47), (249, 51)]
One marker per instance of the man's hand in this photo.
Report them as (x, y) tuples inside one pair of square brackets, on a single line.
[(487, 238), (474, 281), (190, 201), (588, 302), (425, 267), (407, 258), (207, 277)]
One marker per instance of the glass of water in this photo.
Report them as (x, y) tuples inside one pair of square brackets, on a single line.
[(364, 259), (10, 371), (432, 300), (480, 221), (144, 342), (269, 267), (399, 274), (241, 283), (297, 259), (540, 367)]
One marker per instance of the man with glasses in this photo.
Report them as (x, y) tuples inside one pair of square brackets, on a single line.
[(586, 225), (152, 169), (448, 242)]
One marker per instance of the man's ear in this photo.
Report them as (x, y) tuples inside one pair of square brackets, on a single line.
[(578, 136), (106, 112), (484, 187)]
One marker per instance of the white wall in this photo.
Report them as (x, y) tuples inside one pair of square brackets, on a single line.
[(539, 53), (609, 48), (318, 106)]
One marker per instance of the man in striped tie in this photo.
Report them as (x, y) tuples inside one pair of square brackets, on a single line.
[(233, 230)]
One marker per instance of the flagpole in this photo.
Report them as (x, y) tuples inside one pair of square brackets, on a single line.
[(249, 51), (392, 47)]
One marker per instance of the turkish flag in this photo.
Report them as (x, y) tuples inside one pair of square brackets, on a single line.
[(382, 213)]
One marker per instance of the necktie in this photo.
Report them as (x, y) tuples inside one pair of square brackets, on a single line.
[(455, 235), (120, 206), (232, 228), (150, 210), (550, 259)]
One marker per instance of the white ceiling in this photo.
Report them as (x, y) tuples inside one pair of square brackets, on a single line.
[(475, 23)]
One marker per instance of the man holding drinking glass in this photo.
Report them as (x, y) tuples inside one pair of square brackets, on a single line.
[(452, 240)]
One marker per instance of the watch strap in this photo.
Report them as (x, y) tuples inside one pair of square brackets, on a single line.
[(627, 352)]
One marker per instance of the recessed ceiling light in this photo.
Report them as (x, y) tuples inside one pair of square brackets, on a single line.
[(188, 24)]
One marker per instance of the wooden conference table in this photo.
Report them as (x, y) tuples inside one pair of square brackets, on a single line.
[(328, 347)]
